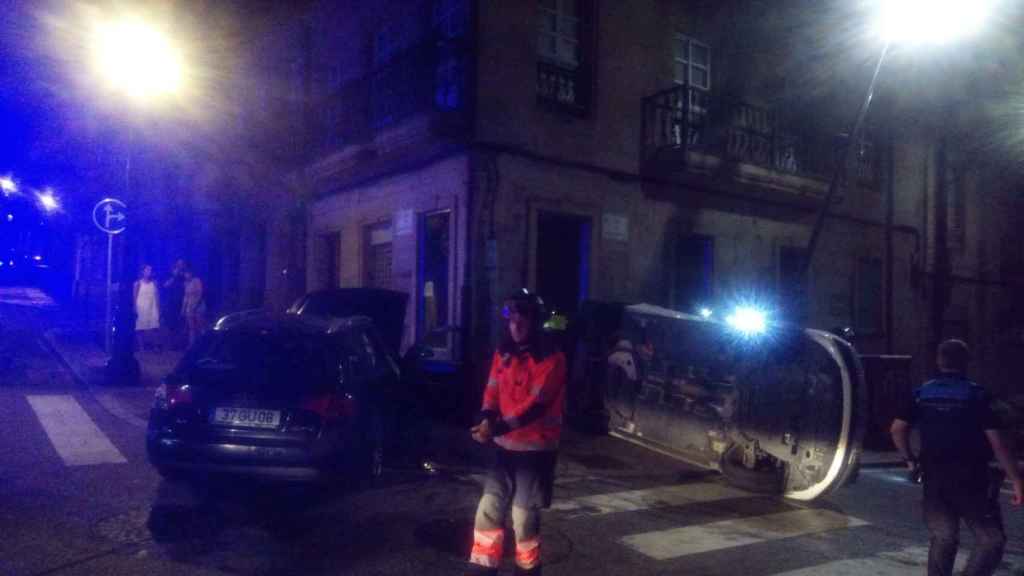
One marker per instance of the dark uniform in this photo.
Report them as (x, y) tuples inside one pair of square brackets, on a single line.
[(952, 414)]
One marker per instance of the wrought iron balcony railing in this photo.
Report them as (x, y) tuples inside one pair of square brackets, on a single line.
[(689, 119)]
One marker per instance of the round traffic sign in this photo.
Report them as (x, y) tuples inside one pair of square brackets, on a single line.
[(110, 215)]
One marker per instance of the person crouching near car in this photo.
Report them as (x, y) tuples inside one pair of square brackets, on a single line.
[(959, 436), (522, 416)]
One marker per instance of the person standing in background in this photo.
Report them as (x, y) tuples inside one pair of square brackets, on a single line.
[(193, 306), (147, 308), (174, 292)]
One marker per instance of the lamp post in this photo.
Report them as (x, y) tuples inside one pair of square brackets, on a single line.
[(138, 61), (908, 23)]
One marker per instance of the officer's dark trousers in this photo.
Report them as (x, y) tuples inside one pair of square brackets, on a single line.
[(945, 504)]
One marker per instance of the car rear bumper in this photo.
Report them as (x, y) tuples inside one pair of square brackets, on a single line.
[(170, 453)]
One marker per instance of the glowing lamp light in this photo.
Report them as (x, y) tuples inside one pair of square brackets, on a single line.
[(8, 185), (48, 201), (747, 321), (706, 312), (930, 21), (137, 58)]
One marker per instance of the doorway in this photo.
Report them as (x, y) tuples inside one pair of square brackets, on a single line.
[(563, 260)]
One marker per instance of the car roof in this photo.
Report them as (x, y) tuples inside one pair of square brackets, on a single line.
[(261, 321)]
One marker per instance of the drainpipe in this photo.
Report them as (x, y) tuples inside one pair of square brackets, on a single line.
[(940, 284), (890, 209)]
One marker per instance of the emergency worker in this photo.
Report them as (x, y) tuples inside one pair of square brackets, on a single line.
[(959, 436), (522, 416)]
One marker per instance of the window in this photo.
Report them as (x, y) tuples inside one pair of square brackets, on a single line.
[(558, 35), (327, 254), (434, 267), (563, 64), (691, 62), (449, 21), (378, 256)]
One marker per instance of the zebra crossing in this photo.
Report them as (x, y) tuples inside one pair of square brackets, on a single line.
[(783, 523), (72, 433)]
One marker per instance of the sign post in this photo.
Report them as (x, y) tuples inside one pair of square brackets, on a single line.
[(109, 216)]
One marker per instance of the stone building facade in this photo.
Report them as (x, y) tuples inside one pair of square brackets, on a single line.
[(661, 151)]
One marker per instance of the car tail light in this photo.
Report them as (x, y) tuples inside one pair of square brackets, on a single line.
[(168, 396), (330, 406)]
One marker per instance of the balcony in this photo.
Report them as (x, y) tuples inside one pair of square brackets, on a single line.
[(688, 130), (428, 81), (563, 89)]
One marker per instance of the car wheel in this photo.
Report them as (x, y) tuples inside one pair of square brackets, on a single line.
[(761, 481)]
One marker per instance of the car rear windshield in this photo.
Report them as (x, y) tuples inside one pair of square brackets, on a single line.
[(297, 362)]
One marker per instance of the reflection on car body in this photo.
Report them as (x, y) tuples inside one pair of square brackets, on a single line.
[(782, 412)]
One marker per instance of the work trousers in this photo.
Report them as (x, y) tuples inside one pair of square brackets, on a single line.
[(522, 482), (945, 504)]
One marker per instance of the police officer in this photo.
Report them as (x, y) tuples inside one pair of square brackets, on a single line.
[(959, 436), (522, 416)]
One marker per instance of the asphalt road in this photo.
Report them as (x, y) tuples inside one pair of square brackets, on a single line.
[(77, 497)]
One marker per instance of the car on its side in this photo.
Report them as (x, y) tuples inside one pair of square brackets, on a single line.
[(775, 409), (276, 397)]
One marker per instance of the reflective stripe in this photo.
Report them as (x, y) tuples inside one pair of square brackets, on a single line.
[(487, 547), (528, 554), (492, 383), (526, 446), (537, 391), (485, 561)]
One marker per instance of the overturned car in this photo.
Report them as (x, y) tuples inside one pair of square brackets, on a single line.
[(774, 408)]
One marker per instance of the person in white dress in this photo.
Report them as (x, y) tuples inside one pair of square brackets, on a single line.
[(147, 308)]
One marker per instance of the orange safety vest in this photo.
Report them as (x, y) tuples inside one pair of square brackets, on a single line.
[(518, 382)]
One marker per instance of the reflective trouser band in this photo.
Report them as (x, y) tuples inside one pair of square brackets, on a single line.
[(528, 554), (487, 547)]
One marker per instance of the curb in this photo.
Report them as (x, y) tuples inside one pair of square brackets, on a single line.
[(51, 345), (103, 398)]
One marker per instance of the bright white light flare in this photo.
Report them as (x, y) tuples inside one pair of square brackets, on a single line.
[(747, 321), (48, 201), (137, 59), (930, 21), (7, 185), (706, 312)]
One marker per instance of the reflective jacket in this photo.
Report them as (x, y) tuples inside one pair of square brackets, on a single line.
[(524, 400)]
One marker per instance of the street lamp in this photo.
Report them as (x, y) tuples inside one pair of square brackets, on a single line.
[(910, 23), (48, 200), (138, 60), (8, 185)]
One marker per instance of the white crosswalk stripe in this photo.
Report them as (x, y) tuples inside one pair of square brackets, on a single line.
[(679, 542), (74, 435), (636, 500)]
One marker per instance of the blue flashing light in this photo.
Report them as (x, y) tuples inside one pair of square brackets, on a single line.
[(748, 321)]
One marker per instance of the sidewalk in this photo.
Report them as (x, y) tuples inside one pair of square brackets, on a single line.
[(80, 351)]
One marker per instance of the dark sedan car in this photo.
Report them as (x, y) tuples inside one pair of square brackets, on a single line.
[(276, 397)]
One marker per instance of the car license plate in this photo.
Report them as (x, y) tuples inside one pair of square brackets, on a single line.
[(249, 417)]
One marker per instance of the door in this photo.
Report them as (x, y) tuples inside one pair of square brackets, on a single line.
[(563, 261)]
